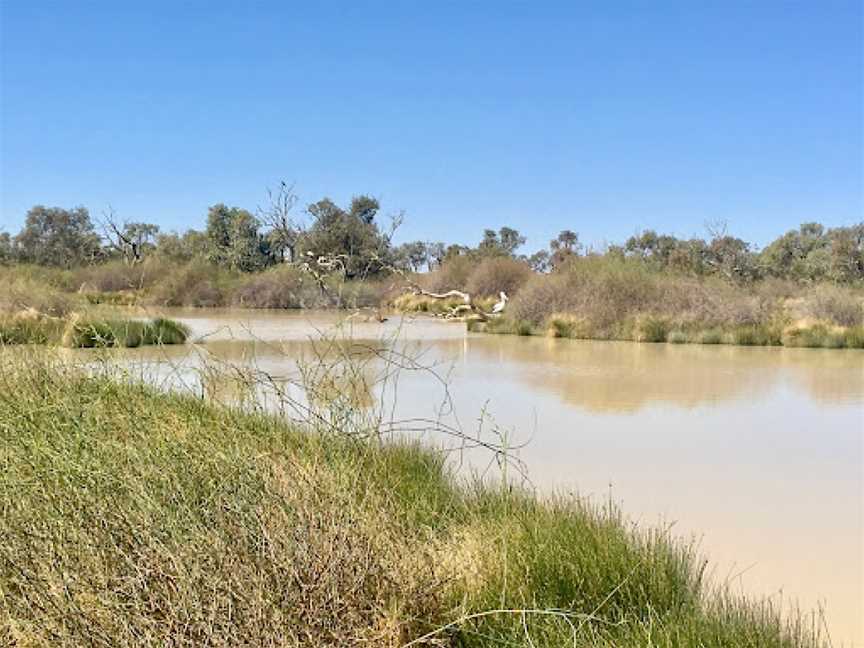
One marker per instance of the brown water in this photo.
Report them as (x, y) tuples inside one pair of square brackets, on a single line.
[(756, 452)]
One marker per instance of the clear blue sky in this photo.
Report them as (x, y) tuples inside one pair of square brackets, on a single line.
[(604, 117)]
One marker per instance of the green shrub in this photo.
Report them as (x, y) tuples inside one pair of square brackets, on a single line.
[(677, 337), (756, 335), (561, 327), (711, 336), (123, 333), (165, 331), (855, 337), (653, 329), (524, 328)]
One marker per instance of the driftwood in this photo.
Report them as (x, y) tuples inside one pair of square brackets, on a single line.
[(467, 308)]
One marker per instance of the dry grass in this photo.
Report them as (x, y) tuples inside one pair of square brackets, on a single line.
[(602, 298)]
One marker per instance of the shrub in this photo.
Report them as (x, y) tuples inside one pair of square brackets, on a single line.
[(711, 336), (562, 327), (497, 274), (677, 337), (452, 275), (20, 290), (195, 284), (281, 287), (524, 328), (91, 333), (652, 329), (855, 337), (836, 305), (162, 330), (756, 335), (117, 275)]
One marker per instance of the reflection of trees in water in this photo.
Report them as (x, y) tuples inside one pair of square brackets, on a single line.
[(598, 376), (626, 377)]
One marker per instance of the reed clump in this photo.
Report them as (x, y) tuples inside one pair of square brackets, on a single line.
[(134, 517)]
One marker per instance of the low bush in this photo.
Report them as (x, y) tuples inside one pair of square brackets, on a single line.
[(96, 333), (453, 274), (652, 329), (497, 274), (835, 305), (712, 336), (281, 287), (677, 337), (195, 284)]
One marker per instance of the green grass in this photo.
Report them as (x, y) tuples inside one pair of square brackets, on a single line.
[(654, 330), (133, 517), (124, 333), (90, 332)]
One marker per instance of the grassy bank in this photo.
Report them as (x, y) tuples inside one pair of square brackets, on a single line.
[(34, 312), (604, 298), (132, 517), (159, 282), (658, 329)]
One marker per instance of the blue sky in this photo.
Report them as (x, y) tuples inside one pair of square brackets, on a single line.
[(605, 118)]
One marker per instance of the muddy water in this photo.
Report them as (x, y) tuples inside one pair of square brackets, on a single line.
[(754, 452)]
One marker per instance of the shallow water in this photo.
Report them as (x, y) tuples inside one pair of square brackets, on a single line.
[(755, 452)]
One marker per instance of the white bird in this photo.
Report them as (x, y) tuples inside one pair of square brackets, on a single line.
[(499, 305)]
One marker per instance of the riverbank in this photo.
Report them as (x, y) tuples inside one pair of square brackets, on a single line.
[(595, 298), (601, 298), (138, 517), (653, 329), (34, 312)]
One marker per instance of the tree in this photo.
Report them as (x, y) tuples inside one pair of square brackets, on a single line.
[(437, 254), (364, 208), (510, 240), (233, 239), (131, 240), (846, 260), (7, 251), (58, 237), (731, 257), (565, 246), (415, 255), (540, 261), (503, 242), (284, 231), (349, 238), (193, 244)]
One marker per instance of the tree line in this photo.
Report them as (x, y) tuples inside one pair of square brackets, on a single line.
[(352, 237)]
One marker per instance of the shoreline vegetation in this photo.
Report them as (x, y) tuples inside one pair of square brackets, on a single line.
[(593, 298), (805, 289), (139, 517)]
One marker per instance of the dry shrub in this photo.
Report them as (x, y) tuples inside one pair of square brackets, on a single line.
[(117, 275), (498, 274), (195, 284), (282, 287), (19, 291), (601, 290), (367, 293), (607, 293), (452, 275), (842, 306)]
